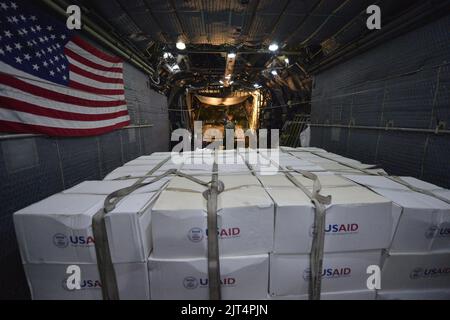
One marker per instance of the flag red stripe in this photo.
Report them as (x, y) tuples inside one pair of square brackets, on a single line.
[(8, 126), (53, 95), (89, 63), (92, 50), (93, 76), (106, 92), (13, 104)]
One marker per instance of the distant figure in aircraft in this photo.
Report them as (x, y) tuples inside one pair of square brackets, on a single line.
[(229, 124)]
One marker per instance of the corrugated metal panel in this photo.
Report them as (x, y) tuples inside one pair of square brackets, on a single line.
[(401, 153), (80, 160), (436, 161), (404, 83), (362, 145)]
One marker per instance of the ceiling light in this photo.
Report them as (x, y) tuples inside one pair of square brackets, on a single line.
[(228, 76), (231, 82), (274, 72), (232, 55), (167, 55), (257, 86), (286, 60), (220, 81), (273, 47), (181, 45)]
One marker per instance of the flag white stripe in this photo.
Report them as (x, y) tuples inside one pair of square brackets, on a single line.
[(28, 78), (113, 75), (24, 96), (89, 56), (95, 84), (32, 119)]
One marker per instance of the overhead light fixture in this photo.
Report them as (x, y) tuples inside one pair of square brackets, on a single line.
[(167, 55), (232, 55), (231, 82), (257, 86), (181, 45), (274, 72), (220, 81), (228, 76), (286, 60), (273, 47)]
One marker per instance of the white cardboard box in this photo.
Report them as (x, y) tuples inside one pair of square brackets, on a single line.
[(415, 271), (414, 295), (420, 184), (197, 169), (102, 187), (160, 154), (48, 282), (245, 219), (421, 222), (340, 295), (444, 193), (129, 228), (128, 171), (143, 162), (357, 219), (346, 271), (294, 215), (233, 168), (106, 187), (242, 277), (59, 229)]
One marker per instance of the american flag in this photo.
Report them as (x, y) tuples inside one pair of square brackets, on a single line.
[(52, 81)]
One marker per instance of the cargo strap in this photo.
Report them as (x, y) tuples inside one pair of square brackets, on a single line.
[(104, 263), (365, 170), (393, 178), (211, 196), (316, 256), (318, 233), (413, 188), (105, 266)]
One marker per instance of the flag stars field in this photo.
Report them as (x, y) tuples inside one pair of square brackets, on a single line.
[(52, 81)]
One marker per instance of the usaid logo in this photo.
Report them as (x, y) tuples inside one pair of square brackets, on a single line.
[(195, 234), (84, 284), (418, 273), (437, 232), (329, 273), (62, 241), (337, 229), (190, 283), (342, 228), (194, 283), (228, 232)]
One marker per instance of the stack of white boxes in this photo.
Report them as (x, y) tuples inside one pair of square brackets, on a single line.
[(417, 264), (178, 265), (158, 234), (358, 226), (56, 233)]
